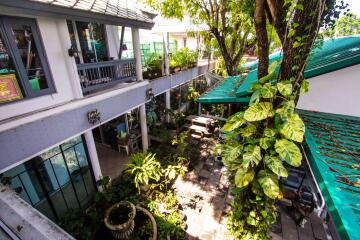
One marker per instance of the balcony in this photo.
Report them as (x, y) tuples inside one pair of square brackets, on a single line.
[(102, 75)]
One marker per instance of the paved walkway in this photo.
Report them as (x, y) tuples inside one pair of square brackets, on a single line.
[(203, 193)]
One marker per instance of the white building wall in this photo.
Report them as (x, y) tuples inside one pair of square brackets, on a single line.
[(336, 92), (53, 33)]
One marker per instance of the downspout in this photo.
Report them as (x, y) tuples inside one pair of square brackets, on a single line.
[(322, 206)]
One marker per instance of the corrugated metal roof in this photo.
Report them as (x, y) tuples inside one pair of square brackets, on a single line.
[(225, 92), (332, 144), (109, 7), (334, 54)]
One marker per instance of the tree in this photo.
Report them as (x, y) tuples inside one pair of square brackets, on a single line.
[(229, 22), (264, 139), (349, 24)]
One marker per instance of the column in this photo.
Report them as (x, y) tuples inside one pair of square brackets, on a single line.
[(166, 53), (137, 55), (90, 144), (143, 127), (167, 104)]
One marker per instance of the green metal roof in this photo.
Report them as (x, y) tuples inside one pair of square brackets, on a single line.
[(334, 54), (224, 92), (332, 145)]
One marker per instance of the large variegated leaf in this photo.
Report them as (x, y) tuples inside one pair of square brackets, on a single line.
[(231, 155), (234, 122), (293, 128), (269, 183), (304, 87), (248, 131), (266, 142), (289, 152), (255, 97), (285, 89), (268, 91), (243, 177), (259, 111), (287, 109), (252, 158), (275, 165), (269, 132)]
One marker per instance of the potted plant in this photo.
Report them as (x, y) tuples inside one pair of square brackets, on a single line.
[(122, 138), (119, 219)]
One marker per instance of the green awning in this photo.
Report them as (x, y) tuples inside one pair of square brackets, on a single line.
[(332, 145), (224, 92)]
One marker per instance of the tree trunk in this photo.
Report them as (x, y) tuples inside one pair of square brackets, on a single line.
[(262, 38)]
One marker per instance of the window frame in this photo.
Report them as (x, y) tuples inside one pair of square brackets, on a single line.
[(6, 23)]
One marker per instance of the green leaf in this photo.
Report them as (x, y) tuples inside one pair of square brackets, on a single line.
[(304, 87), (269, 183), (268, 91), (289, 152), (291, 33), (248, 131), (231, 153), (244, 177), (287, 109), (269, 132), (255, 86), (275, 165), (256, 188), (293, 128), (295, 25), (266, 142), (259, 111), (285, 89), (234, 121), (252, 158), (296, 44), (251, 221), (255, 97), (299, 7)]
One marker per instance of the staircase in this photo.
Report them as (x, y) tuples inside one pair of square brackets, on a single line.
[(199, 126)]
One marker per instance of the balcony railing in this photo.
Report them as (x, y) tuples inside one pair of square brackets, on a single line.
[(101, 75)]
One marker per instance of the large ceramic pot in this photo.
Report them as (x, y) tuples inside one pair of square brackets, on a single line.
[(119, 219)]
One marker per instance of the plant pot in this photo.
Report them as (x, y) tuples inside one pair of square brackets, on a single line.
[(152, 219), (119, 219)]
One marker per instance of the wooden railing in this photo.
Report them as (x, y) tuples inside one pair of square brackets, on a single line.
[(102, 75)]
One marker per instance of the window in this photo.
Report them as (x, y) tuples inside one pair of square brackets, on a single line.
[(24, 71), (90, 40), (55, 181)]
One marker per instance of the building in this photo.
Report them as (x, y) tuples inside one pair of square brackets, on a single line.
[(331, 116), (61, 82)]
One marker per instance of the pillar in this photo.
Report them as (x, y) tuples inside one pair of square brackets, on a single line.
[(167, 104), (137, 55), (166, 45), (143, 127), (90, 144)]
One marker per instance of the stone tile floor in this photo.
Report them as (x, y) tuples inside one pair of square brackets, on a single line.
[(203, 193)]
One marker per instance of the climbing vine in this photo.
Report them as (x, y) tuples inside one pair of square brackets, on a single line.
[(262, 141)]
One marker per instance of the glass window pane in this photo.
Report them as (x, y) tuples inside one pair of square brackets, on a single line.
[(44, 208), (58, 201), (71, 142), (50, 153), (60, 169), (10, 88), (29, 187), (23, 34), (92, 41), (80, 152), (71, 161), (16, 184)]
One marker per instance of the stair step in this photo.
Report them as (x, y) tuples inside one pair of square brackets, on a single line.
[(197, 128), (200, 120)]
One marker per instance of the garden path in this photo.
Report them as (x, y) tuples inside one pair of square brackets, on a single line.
[(203, 194)]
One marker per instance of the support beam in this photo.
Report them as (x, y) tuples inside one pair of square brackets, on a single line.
[(90, 144), (137, 55), (166, 53), (167, 104), (143, 127)]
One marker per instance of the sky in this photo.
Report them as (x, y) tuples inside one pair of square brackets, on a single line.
[(354, 6)]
